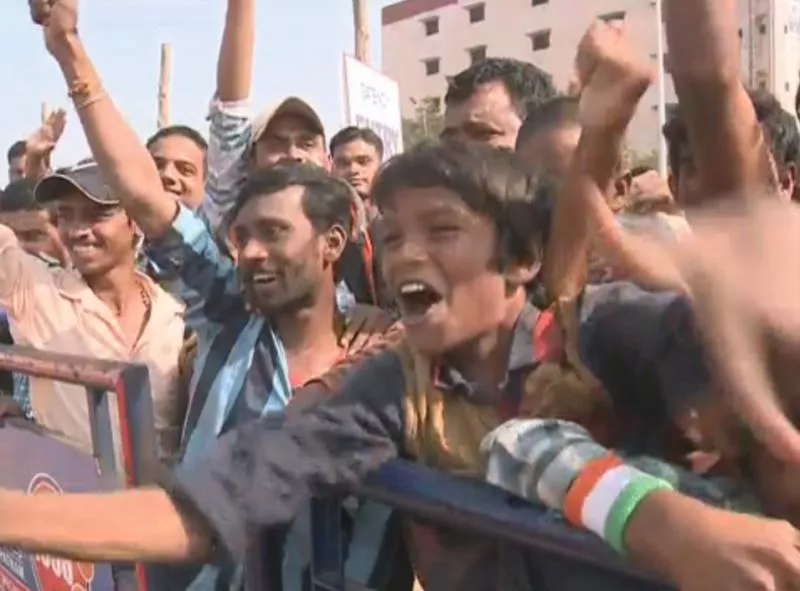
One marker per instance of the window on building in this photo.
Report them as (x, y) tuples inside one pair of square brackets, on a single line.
[(477, 54), (431, 26), (539, 2), (540, 40), (432, 66), (609, 17), (477, 13)]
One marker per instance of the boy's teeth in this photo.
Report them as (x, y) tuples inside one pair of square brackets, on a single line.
[(412, 288)]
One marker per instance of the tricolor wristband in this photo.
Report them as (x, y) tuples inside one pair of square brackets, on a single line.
[(605, 495)]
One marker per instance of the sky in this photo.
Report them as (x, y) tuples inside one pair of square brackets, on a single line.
[(299, 51)]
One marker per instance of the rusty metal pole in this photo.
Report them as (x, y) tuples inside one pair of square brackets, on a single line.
[(361, 29), (164, 85)]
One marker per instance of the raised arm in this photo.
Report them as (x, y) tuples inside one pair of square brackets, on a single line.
[(127, 165), (231, 128), (727, 142), (612, 82)]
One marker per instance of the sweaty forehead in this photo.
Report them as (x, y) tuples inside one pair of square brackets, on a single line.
[(286, 205), (290, 125), (25, 220), (490, 102), (176, 147)]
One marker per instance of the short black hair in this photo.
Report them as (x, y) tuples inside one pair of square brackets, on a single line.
[(16, 150), (19, 196), (488, 180), (352, 134), (778, 125), (525, 83), (555, 112), (327, 201), (185, 131)]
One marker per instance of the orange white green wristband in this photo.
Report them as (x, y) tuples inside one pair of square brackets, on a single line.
[(606, 494)]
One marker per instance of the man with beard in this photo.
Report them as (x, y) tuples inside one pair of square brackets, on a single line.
[(290, 131), (265, 324)]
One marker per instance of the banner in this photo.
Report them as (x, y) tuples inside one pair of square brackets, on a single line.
[(40, 464), (373, 100)]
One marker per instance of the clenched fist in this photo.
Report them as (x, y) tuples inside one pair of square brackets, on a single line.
[(610, 76), (58, 18)]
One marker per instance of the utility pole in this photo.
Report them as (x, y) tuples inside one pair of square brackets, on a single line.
[(164, 85), (361, 29), (662, 99)]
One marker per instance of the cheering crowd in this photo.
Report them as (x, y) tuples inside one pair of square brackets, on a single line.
[(511, 302)]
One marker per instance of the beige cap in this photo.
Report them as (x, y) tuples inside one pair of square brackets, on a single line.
[(290, 106)]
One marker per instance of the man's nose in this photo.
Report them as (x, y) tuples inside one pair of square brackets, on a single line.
[(169, 176), (252, 251)]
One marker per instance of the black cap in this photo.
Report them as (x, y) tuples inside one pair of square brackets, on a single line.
[(85, 177)]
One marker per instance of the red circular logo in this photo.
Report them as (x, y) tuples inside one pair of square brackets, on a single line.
[(54, 573)]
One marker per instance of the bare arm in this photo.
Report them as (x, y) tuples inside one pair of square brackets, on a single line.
[(727, 143), (127, 165), (131, 526), (235, 66), (613, 83)]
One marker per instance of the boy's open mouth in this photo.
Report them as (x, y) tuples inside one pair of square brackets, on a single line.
[(416, 298)]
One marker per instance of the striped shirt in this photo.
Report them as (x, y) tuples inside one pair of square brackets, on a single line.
[(540, 459)]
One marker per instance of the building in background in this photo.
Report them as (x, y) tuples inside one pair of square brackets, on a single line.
[(424, 41)]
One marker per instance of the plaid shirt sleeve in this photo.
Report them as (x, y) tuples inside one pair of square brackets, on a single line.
[(540, 459), (210, 285), (230, 138)]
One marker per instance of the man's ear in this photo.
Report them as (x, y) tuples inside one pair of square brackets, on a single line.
[(622, 186), (522, 274), (335, 242), (788, 181), (673, 185)]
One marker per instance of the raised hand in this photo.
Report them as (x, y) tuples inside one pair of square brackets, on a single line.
[(609, 75), (42, 142), (58, 18)]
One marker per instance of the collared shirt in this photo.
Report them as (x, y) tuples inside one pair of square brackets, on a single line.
[(259, 474), (55, 310), (227, 333)]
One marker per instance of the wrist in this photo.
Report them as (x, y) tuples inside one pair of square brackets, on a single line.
[(663, 512), (65, 47)]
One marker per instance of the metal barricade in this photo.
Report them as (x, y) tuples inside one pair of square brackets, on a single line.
[(476, 508), (40, 462)]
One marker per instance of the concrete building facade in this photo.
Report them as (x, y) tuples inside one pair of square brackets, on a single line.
[(424, 41)]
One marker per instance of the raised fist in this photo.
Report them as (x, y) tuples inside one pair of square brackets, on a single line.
[(58, 18), (610, 76)]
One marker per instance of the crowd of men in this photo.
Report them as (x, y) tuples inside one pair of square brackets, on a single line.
[(511, 302)]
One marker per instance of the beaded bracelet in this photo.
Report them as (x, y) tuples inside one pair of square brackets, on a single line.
[(605, 495)]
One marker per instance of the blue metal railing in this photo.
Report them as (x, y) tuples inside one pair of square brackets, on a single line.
[(479, 509), (35, 460)]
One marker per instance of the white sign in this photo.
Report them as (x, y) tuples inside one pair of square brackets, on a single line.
[(373, 100), (794, 18)]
